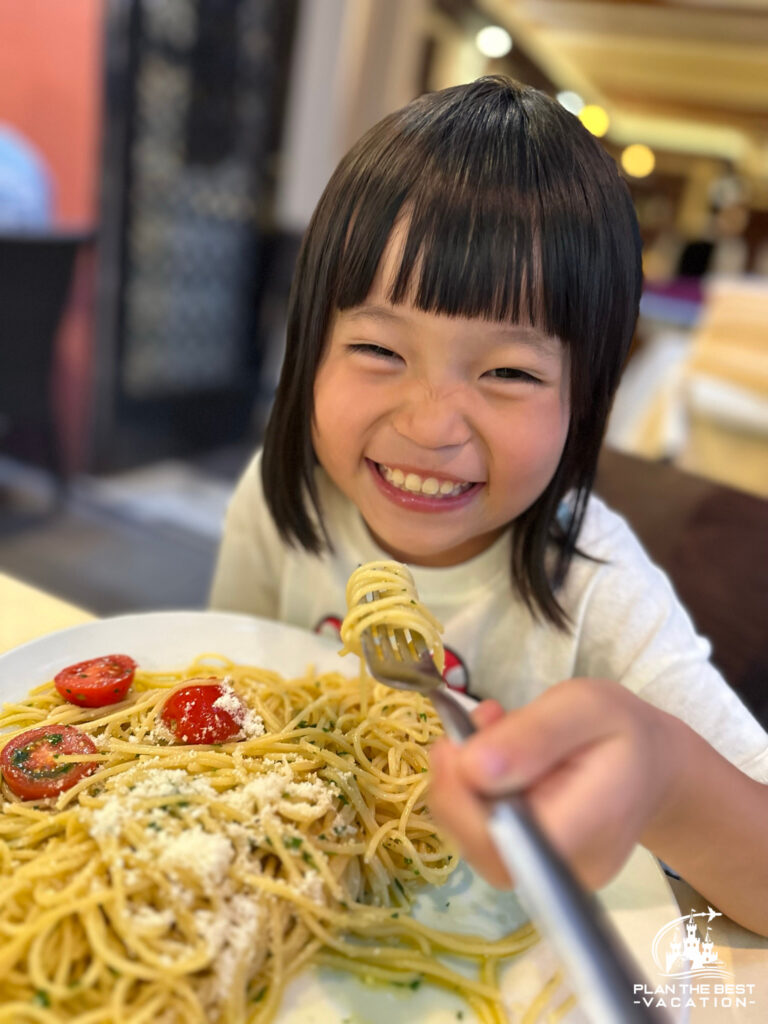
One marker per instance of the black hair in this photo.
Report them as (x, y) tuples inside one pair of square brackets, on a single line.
[(512, 212)]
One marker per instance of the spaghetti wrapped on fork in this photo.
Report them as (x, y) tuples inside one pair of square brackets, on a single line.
[(383, 594)]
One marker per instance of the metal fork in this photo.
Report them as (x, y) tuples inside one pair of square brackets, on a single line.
[(593, 954)]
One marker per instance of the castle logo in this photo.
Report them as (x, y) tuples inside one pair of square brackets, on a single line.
[(683, 953)]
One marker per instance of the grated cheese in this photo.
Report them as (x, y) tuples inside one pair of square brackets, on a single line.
[(250, 723), (277, 790), (108, 819), (312, 887), (204, 854), (341, 825)]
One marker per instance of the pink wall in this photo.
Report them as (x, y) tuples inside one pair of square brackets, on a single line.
[(51, 87), (50, 90)]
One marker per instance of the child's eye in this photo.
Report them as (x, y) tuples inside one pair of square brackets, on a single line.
[(373, 350), (510, 373)]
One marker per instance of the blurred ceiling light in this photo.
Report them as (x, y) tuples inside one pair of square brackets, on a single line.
[(572, 102), (493, 41), (595, 119), (638, 160)]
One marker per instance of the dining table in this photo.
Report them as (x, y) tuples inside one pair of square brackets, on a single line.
[(28, 613)]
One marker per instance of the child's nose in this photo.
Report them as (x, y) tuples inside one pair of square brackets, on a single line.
[(433, 420)]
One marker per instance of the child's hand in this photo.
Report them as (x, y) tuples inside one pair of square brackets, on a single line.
[(597, 764)]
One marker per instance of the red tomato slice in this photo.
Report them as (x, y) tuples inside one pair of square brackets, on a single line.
[(96, 682), (29, 765), (192, 717)]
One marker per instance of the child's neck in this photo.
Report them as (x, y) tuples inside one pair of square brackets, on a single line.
[(470, 549)]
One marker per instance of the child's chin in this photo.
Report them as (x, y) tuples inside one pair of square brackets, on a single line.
[(424, 551)]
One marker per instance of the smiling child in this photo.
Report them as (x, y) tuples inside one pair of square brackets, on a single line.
[(463, 304)]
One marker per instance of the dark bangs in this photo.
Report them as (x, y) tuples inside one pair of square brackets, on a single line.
[(511, 212)]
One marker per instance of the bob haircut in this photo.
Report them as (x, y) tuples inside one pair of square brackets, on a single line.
[(513, 212)]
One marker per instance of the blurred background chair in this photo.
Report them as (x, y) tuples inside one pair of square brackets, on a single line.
[(699, 395), (712, 541), (36, 271), (725, 386)]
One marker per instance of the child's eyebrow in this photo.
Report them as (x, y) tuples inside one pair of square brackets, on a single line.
[(368, 312), (525, 334)]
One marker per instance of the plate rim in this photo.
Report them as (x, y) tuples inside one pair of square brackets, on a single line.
[(242, 620)]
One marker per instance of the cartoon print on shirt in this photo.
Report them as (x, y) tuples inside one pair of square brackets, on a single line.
[(455, 672), (330, 627)]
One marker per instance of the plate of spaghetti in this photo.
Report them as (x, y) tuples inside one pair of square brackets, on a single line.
[(242, 837)]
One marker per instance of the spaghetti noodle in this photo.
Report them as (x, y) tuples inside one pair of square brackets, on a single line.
[(384, 594), (189, 883)]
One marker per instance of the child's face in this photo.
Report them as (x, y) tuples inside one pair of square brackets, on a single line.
[(440, 429)]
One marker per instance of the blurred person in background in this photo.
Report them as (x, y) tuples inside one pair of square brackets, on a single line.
[(721, 248), (26, 187)]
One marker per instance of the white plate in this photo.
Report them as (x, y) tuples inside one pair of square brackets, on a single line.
[(638, 901)]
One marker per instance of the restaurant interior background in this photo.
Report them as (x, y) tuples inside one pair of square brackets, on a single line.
[(172, 152)]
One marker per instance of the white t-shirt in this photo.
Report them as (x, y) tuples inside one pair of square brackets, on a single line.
[(628, 625)]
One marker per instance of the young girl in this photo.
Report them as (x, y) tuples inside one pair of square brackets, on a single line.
[(463, 304)]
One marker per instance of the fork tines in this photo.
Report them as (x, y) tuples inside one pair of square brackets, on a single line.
[(396, 642)]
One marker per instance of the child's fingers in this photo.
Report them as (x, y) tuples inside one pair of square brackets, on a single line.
[(486, 713), (458, 810), (592, 808), (593, 760), (522, 746), (570, 804)]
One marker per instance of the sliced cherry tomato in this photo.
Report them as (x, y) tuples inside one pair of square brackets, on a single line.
[(192, 716), (29, 761), (96, 682)]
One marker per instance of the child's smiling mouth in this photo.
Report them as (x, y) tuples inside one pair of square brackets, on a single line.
[(424, 489)]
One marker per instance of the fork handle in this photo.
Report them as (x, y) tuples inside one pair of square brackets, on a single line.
[(572, 919)]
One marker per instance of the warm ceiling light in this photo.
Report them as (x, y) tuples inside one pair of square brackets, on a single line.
[(493, 41), (638, 160), (595, 119), (572, 102)]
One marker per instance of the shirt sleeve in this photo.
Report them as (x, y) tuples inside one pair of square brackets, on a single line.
[(249, 562), (634, 630)]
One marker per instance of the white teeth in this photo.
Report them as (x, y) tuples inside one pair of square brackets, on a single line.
[(415, 484)]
